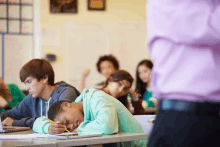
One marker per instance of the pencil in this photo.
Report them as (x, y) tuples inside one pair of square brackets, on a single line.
[(54, 122)]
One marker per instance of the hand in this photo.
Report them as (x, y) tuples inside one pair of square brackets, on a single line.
[(57, 128), (133, 94), (145, 105), (131, 91), (131, 108), (85, 73), (8, 121)]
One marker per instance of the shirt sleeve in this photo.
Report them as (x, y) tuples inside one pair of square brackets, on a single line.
[(41, 125), (105, 122), (150, 103), (17, 91), (21, 114), (22, 110)]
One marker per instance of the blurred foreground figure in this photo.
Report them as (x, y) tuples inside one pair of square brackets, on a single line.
[(184, 43)]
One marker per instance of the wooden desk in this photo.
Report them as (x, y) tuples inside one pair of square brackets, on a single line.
[(92, 141)]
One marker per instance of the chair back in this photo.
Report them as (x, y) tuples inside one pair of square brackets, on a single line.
[(143, 120)]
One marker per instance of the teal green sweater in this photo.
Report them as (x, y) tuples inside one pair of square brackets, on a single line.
[(146, 97), (102, 114)]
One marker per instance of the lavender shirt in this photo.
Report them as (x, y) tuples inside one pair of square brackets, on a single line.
[(184, 43)]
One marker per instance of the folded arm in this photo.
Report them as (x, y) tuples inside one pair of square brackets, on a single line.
[(106, 120)]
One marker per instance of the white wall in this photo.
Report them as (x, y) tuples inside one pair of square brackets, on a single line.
[(19, 49), (120, 30)]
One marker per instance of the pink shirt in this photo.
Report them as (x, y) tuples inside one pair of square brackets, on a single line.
[(184, 43)]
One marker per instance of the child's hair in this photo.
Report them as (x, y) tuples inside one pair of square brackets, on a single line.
[(39, 69), (140, 86), (109, 58), (4, 90), (119, 75), (55, 109)]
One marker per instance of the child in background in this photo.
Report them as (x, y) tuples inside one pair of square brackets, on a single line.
[(119, 85), (143, 87), (93, 111), (10, 95), (106, 65), (5, 96)]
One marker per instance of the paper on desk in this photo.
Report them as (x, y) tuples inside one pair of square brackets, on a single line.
[(75, 135), (30, 136), (67, 133), (20, 137)]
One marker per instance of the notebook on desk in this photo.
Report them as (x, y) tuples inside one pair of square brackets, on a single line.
[(7, 129)]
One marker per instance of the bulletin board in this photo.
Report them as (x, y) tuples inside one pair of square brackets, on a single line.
[(16, 35)]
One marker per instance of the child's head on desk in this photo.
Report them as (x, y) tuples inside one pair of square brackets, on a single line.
[(67, 113)]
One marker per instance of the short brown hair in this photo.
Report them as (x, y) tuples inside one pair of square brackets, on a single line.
[(109, 58), (39, 69)]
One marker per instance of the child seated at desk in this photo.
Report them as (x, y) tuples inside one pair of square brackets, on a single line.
[(106, 65), (143, 85), (119, 85), (93, 111), (38, 77)]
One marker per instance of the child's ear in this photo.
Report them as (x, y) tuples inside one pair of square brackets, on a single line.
[(45, 79)]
